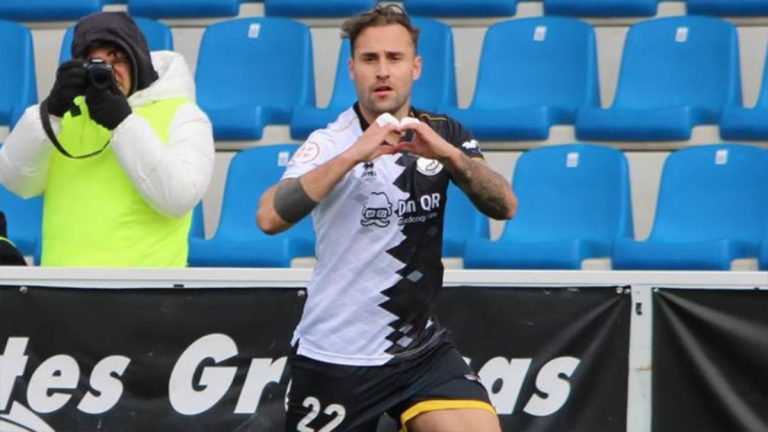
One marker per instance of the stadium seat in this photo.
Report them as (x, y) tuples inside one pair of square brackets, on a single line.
[(762, 259), (184, 8), (740, 123), (48, 10), (238, 241), (574, 203), (533, 74), (712, 209), (434, 90), (18, 88), (727, 7), (461, 8), (158, 34), (601, 8), (25, 217), (197, 230), (676, 73), (251, 72), (462, 222), (316, 9)]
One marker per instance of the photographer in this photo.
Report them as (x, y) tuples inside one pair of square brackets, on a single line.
[(122, 156)]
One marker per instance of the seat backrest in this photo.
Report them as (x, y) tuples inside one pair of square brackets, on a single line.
[(184, 8), (48, 10), (435, 88), (158, 34), (713, 192), (679, 61), (603, 8), (316, 9), (251, 172), (462, 219), (574, 191), (255, 62), (18, 88), (197, 229), (461, 8), (24, 218), (538, 61), (727, 7)]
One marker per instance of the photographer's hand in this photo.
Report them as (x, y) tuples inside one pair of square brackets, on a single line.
[(71, 81), (107, 107)]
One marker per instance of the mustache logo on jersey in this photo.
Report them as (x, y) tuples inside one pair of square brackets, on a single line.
[(377, 210)]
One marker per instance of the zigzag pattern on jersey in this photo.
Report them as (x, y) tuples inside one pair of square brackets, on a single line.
[(411, 298)]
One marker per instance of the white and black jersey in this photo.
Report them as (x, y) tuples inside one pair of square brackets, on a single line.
[(379, 242)]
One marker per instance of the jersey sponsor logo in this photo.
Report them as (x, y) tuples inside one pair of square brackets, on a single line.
[(377, 210), (308, 152), (428, 167), (470, 145)]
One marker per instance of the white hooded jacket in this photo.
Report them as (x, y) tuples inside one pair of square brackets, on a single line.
[(172, 177)]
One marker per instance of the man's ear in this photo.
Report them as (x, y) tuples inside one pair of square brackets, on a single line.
[(417, 62), (351, 65)]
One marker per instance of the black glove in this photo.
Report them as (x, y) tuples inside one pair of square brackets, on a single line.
[(107, 107), (71, 81)]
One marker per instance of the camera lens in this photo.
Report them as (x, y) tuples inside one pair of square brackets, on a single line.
[(100, 73)]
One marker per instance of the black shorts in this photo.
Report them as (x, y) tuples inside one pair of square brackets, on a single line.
[(329, 397)]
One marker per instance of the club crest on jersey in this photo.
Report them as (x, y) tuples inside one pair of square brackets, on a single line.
[(428, 167), (377, 210)]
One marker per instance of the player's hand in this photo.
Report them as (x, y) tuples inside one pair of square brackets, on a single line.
[(376, 141), (71, 81), (420, 139)]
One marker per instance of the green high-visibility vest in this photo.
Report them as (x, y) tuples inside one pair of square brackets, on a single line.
[(92, 214)]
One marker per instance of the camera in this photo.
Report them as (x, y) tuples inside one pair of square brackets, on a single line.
[(100, 73)]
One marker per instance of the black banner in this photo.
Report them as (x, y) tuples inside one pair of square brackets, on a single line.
[(214, 359), (710, 360), (553, 359)]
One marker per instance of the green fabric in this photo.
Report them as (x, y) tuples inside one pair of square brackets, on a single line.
[(93, 216)]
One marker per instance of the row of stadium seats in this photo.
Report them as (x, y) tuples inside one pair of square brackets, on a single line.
[(36, 10), (575, 205), (534, 73)]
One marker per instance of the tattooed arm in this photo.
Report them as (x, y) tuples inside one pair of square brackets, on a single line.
[(488, 190)]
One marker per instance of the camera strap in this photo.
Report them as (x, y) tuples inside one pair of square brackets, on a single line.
[(46, 121)]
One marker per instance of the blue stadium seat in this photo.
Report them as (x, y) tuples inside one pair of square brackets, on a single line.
[(158, 34), (727, 7), (316, 9), (601, 8), (251, 72), (238, 241), (463, 221), (25, 217), (574, 203), (461, 8), (533, 73), (184, 8), (762, 259), (740, 123), (18, 88), (48, 10), (676, 73), (712, 209), (197, 230), (434, 90)]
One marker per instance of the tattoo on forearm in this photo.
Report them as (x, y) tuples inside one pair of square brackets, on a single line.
[(484, 187), (292, 202)]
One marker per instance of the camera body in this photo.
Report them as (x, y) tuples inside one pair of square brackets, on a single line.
[(100, 73)]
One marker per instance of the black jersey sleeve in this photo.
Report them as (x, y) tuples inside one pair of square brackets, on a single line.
[(453, 132)]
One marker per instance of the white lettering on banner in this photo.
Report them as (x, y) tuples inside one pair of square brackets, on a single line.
[(12, 365), (215, 380), (104, 381), (504, 380), (262, 372), (549, 382), (59, 372)]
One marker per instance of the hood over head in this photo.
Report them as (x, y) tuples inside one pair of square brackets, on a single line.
[(120, 29)]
